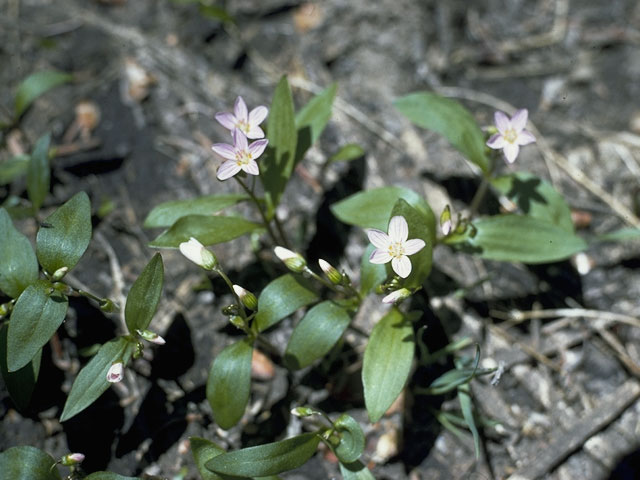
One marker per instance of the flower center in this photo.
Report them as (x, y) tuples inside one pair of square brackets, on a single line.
[(243, 126), (243, 157), (510, 135), (396, 249)]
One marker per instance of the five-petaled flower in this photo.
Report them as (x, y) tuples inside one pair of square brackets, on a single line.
[(115, 373), (511, 134), (243, 120), (394, 246), (240, 155)]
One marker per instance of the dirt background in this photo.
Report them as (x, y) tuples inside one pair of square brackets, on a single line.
[(158, 71)]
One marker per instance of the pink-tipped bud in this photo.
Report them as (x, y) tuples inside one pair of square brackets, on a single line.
[(247, 298), (397, 296), (115, 373), (150, 336), (446, 225), (199, 255), (72, 459), (330, 271), (294, 261)]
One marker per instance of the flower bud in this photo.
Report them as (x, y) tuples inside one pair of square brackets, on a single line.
[(232, 309), (138, 349), (59, 274), (445, 221), (236, 321), (397, 296), (199, 255), (330, 271), (247, 298), (115, 373), (303, 411), (150, 336), (108, 306), (294, 261), (72, 459), (5, 309)]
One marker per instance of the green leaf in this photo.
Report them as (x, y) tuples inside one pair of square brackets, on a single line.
[(316, 334), (448, 118), (464, 397), (91, 382), (347, 153), (204, 450), (13, 168), (207, 229), (351, 443), (35, 85), (65, 234), (19, 266), (371, 274), (618, 235), (517, 238), (215, 13), (277, 165), (281, 297), (108, 476), (27, 463), (38, 172), (421, 226), (535, 198), (355, 471), (268, 459), (143, 298), (20, 383), (167, 213), (387, 362), (313, 118), (456, 377), (35, 318), (229, 383), (372, 209)]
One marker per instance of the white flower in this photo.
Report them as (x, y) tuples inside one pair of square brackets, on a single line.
[(330, 271), (115, 373), (199, 255), (511, 134), (394, 246), (152, 337), (294, 261), (247, 298), (240, 155), (241, 119), (396, 296)]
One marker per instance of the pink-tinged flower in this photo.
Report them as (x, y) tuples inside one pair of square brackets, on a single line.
[(511, 134), (397, 296), (152, 337), (243, 120), (115, 373), (72, 459), (240, 155), (394, 246)]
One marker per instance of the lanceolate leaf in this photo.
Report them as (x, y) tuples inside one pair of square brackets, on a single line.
[(34, 319), (35, 85), (38, 172), (229, 383), (355, 471), (207, 229), (281, 298), (387, 362), (313, 118), (18, 264), (144, 296), (27, 463), (371, 274), (464, 397), (167, 213), (277, 165), (316, 334), (65, 234), (535, 198), (518, 238), (13, 168), (372, 209), (449, 118), (204, 450), (91, 382), (269, 459), (108, 476), (347, 153), (20, 383), (618, 235), (351, 443)]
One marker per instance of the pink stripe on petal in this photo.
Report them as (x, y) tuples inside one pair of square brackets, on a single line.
[(502, 122), (519, 119), (511, 152), (240, 140), (227, 170), (525, 137), (398, 229), (402, 266), (224, 150), (496, 141), (379, 256), (227, 120), (255, 132), (251, 168), (257, 115), (379, 238), (413, 246), (240, 109), (257, 147)]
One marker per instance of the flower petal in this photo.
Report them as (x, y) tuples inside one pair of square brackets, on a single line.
[(257, 115), (228, 169), (511, 152), (251, 168), (255, 132), (379, 256), (402, 266), (525, 137), (240, 110), (496, 141), (519, 119), (227, 120), (257, 147), (379, 238), (224, 150), (413, 246), (240, 140), (502, 121), (398, 229)]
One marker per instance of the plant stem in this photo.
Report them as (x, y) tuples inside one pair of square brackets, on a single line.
[(479, 196), (255, 200)]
